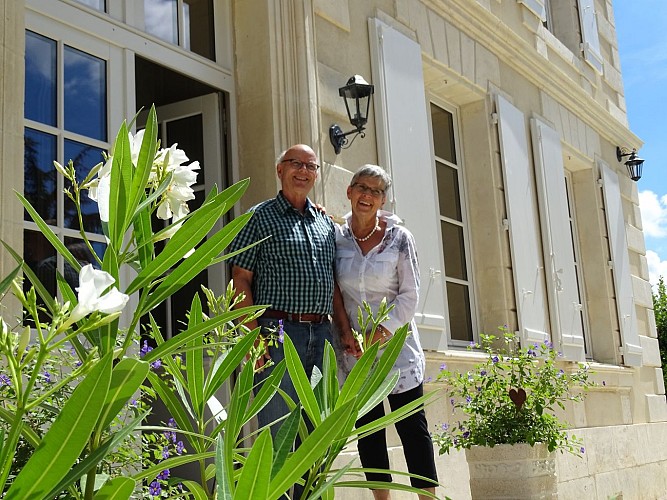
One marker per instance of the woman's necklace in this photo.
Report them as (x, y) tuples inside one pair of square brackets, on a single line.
[(367, 237)]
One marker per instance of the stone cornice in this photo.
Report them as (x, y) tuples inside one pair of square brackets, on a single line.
[(487, 29)]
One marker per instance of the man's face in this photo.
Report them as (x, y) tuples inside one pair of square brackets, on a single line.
[(295, 176)]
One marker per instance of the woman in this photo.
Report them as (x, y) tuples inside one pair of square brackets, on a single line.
[(376, 258)]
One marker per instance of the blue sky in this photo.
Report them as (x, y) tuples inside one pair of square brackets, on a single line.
[(641, 26)]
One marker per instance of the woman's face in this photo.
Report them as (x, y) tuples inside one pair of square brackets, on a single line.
[(366, 195)]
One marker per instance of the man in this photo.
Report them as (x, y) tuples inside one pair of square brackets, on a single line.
[(291, 271)]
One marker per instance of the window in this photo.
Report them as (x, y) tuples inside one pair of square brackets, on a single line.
[(453, 227), (65, 119), (187, 23), (95, 4)]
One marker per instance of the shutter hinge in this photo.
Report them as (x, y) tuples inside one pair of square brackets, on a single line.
[(610, 264), (506, 224), (494, 118)]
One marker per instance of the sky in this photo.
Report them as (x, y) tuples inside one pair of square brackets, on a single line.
[(641, 27)]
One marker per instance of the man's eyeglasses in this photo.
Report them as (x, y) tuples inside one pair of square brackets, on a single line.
[(362, 188), (298, 164)]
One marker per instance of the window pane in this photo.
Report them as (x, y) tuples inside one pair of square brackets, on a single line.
[(443, 134), (40, 79), (40, 256), (95, 4), (459, 312), (198, 27), (82, 253), (160, 19), (454, 250), (85, 94), (448, 191), (84, 158), (188, 133), (40, 174)]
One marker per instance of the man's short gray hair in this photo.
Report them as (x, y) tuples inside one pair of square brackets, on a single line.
[(375, 171), (280, 157)]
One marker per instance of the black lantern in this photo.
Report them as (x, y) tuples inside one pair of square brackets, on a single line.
[(357, 94), (634, 163)]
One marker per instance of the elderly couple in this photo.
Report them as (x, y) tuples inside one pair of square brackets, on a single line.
[(311, 270)]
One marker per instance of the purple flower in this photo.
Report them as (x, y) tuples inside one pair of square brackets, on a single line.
[(145, 349), (171, 422), (472, 344), (281, 332), (155, 489), (5, 380), (164, 475), (495, 359), (452, 401), (445, 426), (482, 373), (582, 450), (156, 364), (466, 434), (443, 366), (165, 453), (548, 344), (47, 377), (468, 399), (429, 379), (604, 383), (531, 353), (560, 373), (179, 448)]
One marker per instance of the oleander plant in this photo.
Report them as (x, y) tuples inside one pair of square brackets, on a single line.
[(81, 372)]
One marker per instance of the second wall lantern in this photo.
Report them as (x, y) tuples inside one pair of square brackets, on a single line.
[(634, 164)]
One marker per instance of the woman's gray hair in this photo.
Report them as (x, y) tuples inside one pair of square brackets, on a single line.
[(369, 170)]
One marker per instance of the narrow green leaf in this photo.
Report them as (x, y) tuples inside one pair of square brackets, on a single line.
[(285, 439), (171, 462), (267, 390), (5, 283), (144, 233), (122, 172), (329, 483), (174, 407), (380, 394), (197, 262), (66, 438), (49, 234), (309, 451), (175, 343), (194, 359), (256, 472), (119, 488), (330, 382), (358, 375), (221, 475), (126, 378), (32, 277), (144, 165), (300, 381), (196, 490)]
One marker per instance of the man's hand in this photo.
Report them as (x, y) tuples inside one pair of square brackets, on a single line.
[(350, 344)]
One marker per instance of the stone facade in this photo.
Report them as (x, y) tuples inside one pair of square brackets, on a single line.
[(278, 70)]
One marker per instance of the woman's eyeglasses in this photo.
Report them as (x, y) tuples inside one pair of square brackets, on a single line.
[(362, 188), (298, 164)]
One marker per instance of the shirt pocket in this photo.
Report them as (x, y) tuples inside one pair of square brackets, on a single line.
[(385, 265), (344, 262)]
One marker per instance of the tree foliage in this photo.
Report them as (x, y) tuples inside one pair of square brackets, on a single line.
[(660, 309)]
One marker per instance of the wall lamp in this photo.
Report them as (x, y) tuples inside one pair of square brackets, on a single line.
[(357, 94), (634, 163)]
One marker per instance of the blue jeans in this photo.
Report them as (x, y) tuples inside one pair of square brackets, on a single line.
[(309, 340)]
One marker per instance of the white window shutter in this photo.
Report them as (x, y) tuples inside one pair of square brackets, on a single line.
[(625, 303), (404, 146), (536, 7), (523, 221), (589, 34), (562, 287)]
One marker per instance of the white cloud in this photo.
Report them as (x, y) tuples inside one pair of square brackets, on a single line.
[(654, 214), (656, 267)]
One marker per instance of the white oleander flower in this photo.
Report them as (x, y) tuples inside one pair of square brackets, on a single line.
[(92, 284)]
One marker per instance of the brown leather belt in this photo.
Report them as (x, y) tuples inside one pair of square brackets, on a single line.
[(296, 317)]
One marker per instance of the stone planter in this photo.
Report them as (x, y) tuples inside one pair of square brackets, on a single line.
[(507, 471)]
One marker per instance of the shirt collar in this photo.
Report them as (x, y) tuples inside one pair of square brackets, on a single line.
[(283, 206)]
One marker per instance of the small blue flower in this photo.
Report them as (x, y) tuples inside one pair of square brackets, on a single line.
[(604, 383), (443, 366), (560, 373), (164, 475), (495, 359), (468, 399), (179, 448), (5, 380), (483, 373), (445, 426), (582, 450), (155, 489), (156, 364), (145, 349), (466, 434), (281, 332), (165, 453), (47, 377), (452, 401)]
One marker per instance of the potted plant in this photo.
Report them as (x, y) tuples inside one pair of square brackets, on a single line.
[(504, 416)]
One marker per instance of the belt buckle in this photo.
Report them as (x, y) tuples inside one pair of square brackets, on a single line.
[(299, 320)]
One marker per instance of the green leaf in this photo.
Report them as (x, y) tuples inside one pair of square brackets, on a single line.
[(267, 390), (144, 165), (330, 483), (358, 375), (300, 381), (119, 488), (285, 439), (221, 476), (194, 359), (197, 262), (198, 493), (39, 287), (143, 232), (5, 283), (309, 451), (256, 472), (174, 407), (126, 378), (122, 172), (66, 438), (49, 234)]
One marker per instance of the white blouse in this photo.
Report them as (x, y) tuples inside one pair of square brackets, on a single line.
[(388, 270)]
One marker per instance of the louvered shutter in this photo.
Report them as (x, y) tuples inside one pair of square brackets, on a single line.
[(520, 199), (589, 34), (404, 147), (561, 277)]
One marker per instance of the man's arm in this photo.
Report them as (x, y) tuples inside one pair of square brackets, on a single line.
[(243, 284)]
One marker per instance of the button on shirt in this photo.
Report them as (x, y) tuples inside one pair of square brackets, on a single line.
[(293, 268), (389, 270)]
